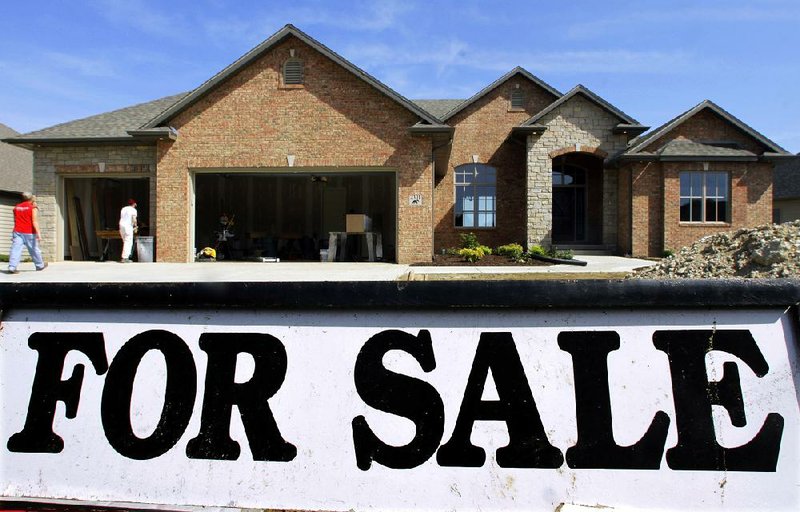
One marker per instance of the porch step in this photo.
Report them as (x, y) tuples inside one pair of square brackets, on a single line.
[(587, 250)]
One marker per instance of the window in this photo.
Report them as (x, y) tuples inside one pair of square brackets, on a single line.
[(517, 100), (704, 196), (475, 196), (293, 72)]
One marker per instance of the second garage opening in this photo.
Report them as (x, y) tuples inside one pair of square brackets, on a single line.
[(290, 216)]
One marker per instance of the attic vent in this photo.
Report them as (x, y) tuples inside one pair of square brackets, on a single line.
[(517, 99), (293, 72)]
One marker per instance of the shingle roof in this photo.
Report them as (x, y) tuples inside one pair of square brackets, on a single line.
[(255, 53), (687, 148), (786, 179), (438, 108), (486, 90), (16, 164), (108, 125), (639, 144)]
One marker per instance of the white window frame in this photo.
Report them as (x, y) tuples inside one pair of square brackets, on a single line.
[(476, 179), (704, 196)]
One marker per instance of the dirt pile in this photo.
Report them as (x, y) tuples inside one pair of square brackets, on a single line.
[(763, 252)]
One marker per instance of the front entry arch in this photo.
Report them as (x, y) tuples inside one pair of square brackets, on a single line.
[(577, 180)]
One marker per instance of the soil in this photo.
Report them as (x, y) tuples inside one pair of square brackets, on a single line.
[(490, 260)]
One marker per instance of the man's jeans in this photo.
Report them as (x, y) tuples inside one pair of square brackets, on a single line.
[(29, 241)]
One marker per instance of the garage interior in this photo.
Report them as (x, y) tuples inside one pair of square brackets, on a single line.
[(248, 216), (92, 207)]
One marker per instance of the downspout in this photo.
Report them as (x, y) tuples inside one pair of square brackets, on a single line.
[(433, 191)]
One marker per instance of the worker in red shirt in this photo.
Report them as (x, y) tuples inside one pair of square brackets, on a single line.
[(26, 232)]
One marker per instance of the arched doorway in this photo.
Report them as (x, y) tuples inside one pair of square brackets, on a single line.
[(577, 199)]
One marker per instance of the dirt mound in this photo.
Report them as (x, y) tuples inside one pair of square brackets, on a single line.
[(762, 252)]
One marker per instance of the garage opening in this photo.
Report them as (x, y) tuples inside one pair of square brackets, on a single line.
[(92, 207), (291, 216)]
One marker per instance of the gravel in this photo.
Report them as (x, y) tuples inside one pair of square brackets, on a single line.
[(762, 252)]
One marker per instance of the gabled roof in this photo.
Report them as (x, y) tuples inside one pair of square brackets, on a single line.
[(626, 121), (258, 51), (438, 108), (109, 126), (638, 145), (16, 164), (489, 88)]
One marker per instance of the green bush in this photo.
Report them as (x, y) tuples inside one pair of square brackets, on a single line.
[(561, 255), (537, 250), (469, 241), (668, 253), (471, 255), (512, 251)]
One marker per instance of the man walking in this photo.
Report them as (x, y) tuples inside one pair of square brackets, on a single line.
[(26, 232), (127, 227)]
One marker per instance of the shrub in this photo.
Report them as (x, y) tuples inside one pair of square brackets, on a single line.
[(469, 241), (537, 250), (562, 255), (668, 253), (471, 255), (513, 251)]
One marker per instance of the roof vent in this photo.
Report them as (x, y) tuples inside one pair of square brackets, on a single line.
[(517, 99), (293, 72)]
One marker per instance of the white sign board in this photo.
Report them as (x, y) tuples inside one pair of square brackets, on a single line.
[(437, 410)]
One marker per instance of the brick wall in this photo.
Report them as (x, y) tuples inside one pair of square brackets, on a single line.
[(483, 129), (102, 161), (647, 209), (334, 121), (751, 201), (656, 203), (706, 126)]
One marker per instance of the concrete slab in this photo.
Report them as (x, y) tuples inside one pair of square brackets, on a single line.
[(594, 264), (114, 272)]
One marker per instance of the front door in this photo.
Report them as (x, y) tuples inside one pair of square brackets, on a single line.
[(569, 204)]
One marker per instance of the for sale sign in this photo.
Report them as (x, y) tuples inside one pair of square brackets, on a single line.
[(439, 410)]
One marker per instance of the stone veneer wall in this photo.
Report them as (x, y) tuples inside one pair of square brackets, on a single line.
[(578, 125), (105, 161)]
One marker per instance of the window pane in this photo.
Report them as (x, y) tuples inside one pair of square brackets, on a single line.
[(722, 210), (557, 178), (697, 209), (697, 184), (459, 219), (685, 209), (686, 185), (711, 210), (469, 219)]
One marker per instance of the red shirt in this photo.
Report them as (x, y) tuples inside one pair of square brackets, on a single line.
[(23, 218)]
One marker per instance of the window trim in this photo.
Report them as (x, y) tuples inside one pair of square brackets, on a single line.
[(472, 186), (704, 197)]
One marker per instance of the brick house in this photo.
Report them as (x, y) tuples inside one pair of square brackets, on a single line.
[(291, 137)]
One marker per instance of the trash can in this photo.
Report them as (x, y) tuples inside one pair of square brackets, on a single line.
[(144, 249)]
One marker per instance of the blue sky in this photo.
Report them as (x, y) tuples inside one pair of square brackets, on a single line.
[(64, 60)]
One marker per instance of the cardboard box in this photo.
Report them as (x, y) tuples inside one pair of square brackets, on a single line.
[(358, 223)]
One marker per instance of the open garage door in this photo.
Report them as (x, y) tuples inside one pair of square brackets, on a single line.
[(291, 215)]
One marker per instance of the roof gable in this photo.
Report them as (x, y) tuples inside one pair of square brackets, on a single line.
[(641, 144), (258, 51), (497, 83), (592, 97)]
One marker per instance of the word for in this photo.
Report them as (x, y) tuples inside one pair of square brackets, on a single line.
[(408, 397)]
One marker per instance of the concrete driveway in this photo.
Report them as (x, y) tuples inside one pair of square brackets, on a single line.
[(114, 272)]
